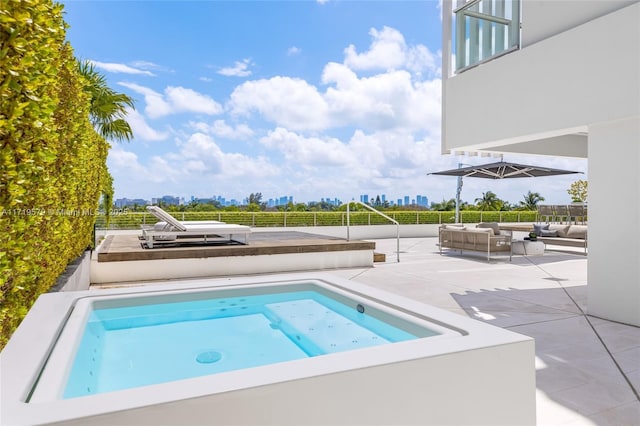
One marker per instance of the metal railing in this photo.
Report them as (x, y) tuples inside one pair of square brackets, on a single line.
[(125, 219), (348, 203)]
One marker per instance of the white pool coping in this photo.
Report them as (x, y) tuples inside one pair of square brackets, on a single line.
[(505, 370)]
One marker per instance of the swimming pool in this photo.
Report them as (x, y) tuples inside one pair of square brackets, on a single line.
[(280, 349), (157, 341)]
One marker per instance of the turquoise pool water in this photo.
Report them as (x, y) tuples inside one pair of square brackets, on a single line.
[(130, 346)]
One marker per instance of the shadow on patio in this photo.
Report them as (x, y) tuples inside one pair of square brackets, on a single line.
[(584, 364)]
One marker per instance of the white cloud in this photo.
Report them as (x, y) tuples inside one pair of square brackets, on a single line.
[(389, 51), (175, 100), (156, 106), (147, 65), (142, 130), (120, 68), (293, 50), (391, 162), (239, 69), (206, 79), (398, 97), (310, 152), (382, 101), (221, 129), (289, 102), (201, 148), (187, 100)]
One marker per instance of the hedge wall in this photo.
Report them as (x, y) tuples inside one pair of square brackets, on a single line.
[(52, 162)]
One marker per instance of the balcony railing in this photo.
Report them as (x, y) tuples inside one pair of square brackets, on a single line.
[(485, 29)]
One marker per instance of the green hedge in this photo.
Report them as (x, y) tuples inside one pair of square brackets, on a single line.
[(52, 162)]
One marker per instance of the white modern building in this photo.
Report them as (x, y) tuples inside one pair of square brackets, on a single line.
[(558, 78)]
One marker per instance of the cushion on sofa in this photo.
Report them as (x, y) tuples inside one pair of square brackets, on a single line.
[(548, 233), (562, 230), (539, 228), (577, 231), (455, 227), (490, 225), (478, 235)]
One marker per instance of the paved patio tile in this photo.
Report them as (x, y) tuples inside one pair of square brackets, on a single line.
[(561, 333), (553, 413), (539, 296), (594, 397), (624, 415)]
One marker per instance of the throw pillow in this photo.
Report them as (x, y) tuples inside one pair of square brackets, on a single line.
[(548, 233), (539, 228), (577, 231), (491, 225)]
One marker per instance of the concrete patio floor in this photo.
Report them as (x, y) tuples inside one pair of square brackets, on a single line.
[(587, 369)]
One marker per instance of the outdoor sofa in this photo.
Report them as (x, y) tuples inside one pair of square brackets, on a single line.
[(485, 238), (562, 235)]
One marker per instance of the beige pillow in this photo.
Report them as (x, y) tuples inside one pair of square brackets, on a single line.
[(481, 230), (562, 230), (491, 225), (455, 227), (577, 231)]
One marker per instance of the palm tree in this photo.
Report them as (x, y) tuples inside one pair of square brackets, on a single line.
[(108, 107), (444, 205), (531, 200), (489, 201), (255, 198)]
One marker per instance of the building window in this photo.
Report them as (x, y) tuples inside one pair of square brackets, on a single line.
[(485, 29)]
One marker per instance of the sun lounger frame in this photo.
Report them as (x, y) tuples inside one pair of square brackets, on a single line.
[(207, 230)]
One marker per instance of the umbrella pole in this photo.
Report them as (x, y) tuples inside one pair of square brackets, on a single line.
[(458, 191)]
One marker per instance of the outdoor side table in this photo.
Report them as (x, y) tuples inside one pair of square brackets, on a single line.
[(528, 247)]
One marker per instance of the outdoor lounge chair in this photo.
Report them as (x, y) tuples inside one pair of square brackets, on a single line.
[(207, 230), (165, 219)]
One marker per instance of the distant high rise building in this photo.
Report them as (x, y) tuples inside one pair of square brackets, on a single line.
[(399, 201), (406, 200), (169, 200), (126, 202), (422, 201)]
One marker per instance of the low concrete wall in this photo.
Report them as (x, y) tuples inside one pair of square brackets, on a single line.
[(149, 270), (77, 275)]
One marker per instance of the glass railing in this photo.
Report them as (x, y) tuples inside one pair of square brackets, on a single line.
[(485, 29)]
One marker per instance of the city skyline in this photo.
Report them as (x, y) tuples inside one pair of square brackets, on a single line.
[(419, 200)]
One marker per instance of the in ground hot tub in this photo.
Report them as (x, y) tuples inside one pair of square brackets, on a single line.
[(289, 349)]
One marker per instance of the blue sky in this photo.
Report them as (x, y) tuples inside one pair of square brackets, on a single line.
[(313, 99)]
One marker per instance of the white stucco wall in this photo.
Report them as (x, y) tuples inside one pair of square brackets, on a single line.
[(614, 241), (77, 275), (562, 84), (544, 18), (572, 90)]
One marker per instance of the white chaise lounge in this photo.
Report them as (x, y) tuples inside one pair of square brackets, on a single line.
[(170, 229), (165, 220)]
